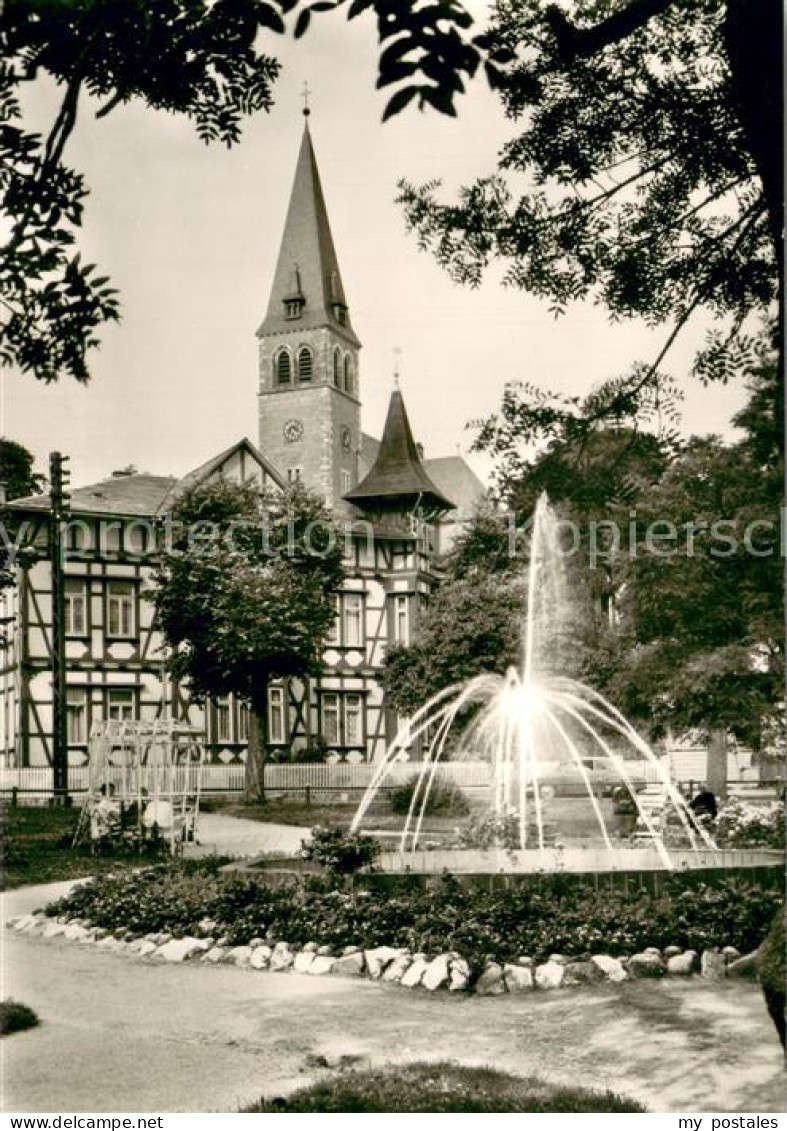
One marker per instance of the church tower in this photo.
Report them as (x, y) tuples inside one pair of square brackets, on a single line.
[(309, 396)]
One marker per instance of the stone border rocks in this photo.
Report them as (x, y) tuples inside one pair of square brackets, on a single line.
[(448, 971)]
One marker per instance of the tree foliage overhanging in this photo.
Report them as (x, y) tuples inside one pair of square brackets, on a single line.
[(646, 175), (651, 141)]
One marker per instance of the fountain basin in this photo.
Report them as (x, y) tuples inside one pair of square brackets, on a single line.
[(573, 859)]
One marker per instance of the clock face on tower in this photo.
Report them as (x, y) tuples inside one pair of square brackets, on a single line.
[(293, 431), (346, 438)]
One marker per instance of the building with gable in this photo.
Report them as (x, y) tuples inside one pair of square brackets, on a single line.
[(404, 508)]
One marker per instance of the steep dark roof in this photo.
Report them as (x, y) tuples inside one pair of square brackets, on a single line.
[(397, 472), (140, 495), (129, 495), (307, 267)]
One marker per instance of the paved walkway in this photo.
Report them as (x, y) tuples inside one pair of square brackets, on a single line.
[(237, 836), (123, 1035)]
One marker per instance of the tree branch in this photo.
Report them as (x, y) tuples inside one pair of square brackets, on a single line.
[(580, 43)]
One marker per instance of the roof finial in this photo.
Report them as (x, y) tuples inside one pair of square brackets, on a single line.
[(397, 352), (305, 95)]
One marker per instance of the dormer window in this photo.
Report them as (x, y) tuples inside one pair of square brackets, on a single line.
[(340, 313), (293, 308), (305, 364)]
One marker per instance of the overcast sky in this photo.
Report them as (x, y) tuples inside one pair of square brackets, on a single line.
[(189, 235)]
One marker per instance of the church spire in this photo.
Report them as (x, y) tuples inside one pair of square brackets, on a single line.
[(307, 291)]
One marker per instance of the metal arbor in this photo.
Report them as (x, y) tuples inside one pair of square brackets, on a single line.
[(144, 781)]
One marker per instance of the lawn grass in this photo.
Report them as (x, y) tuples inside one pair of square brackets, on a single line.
[(442, 1087), (14, 1017), (37, 847)]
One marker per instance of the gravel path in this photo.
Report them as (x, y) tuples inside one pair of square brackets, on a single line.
[(237, 836), (125, 1036)]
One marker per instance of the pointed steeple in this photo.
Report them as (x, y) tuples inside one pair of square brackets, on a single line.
[(397, 481), (307, 291)]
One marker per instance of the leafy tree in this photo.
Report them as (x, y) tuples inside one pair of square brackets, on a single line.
[(702, 615), (244, 596), (651, 148), (16, 471), (18, 479), (201, 59)]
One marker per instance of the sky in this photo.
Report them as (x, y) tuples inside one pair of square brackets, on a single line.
[(189, 234)]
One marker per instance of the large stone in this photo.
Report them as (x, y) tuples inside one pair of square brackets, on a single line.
[(437, 974), (282, 958), (240, 955), (350, 965), (52, 929), (612, 968), (322, 964), (74, 932), (260, 958), (491, 981), (303, 961), (646, 965), (672, 951), (22, 923), (518, 979), (731, 954), (398, 968), (713, 965), (108, 942), (550, 975), (215, 954), (415, 972), (460, 975), (379, 958), (181, 950), (581, 973), (559, 958), (146, 947), (681, 965)]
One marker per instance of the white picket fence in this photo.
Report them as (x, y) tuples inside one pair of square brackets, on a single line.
[(32, 781)]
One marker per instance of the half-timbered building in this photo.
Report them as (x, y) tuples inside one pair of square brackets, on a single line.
[(399, 510)]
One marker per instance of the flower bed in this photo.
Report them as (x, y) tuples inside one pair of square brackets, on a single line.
[(180, 900)]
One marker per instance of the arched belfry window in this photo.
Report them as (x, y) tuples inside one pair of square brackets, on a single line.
[(337, 368), (348, 373), (282, 368), (305, 364)]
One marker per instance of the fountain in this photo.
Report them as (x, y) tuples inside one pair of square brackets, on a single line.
[(536, 727)]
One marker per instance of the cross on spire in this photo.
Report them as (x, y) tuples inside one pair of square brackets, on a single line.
[(397, 352), (305, 96)]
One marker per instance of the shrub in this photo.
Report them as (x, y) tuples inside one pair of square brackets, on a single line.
[(14, 1017), (443, 1087), (739, 825), (339, 851), (491, 830), (443, 797)]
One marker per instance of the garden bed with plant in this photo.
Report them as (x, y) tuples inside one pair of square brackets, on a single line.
[(449, 936)]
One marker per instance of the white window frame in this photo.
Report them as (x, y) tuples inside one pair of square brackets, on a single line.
[(353, 614), (353, 709), (127, 706), (123, 607), (277, 716), (76, 606), (76, 716), (330, 705), (293, 475), (347, 480), (223, 716), (401, 616), (333, 637)]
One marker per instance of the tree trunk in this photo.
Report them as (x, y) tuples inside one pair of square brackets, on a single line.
[(257, 752), (753, 40), (716, 772)]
